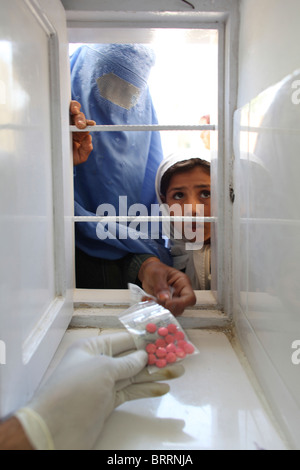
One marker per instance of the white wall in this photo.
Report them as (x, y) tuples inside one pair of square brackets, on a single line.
[(266, 209), (269, 44), (36, 197)]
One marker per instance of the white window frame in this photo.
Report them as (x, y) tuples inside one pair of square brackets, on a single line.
[(134, 24), (27, 359)]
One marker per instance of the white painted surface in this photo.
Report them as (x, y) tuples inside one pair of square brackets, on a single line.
[(269, 44), (36, 257), (149, 5), (267, 257), (213, 406), (266, 224), (26, 170)]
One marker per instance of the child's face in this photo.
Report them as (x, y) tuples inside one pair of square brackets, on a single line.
[(191, 187)]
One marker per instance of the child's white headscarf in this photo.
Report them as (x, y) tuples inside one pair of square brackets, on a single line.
[(195, 262)]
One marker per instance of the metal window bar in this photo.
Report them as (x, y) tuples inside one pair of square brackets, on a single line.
[(116, 128), (142, 218), (157, 127)]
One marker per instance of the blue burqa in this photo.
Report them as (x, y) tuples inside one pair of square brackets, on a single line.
[(110, 83)]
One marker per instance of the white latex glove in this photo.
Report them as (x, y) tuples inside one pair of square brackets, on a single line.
[(69, 411)]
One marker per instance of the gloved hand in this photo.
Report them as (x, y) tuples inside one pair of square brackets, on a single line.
[(69, 411)]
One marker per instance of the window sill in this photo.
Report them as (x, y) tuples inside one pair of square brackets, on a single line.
[(101, 309)]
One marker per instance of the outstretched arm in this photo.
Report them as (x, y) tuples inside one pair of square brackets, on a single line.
[(95, 376), (157, 278)]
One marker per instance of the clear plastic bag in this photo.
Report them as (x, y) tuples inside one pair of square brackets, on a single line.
[(155, 330), (137, 294)]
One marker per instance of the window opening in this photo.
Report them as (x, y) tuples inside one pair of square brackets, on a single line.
[(184, 89)]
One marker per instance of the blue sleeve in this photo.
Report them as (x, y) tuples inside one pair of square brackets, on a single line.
[(113, 240)]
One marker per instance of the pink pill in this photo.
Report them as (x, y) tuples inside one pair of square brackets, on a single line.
[(180, 353), (161, 352), (171, 348), (171, 357), (170, 339), (161, 363), (181, 344), (189, 348), (151, 348), (160, 343), (162, 331), (172, 328), (151, 359), (151, 328), (179, 335)]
